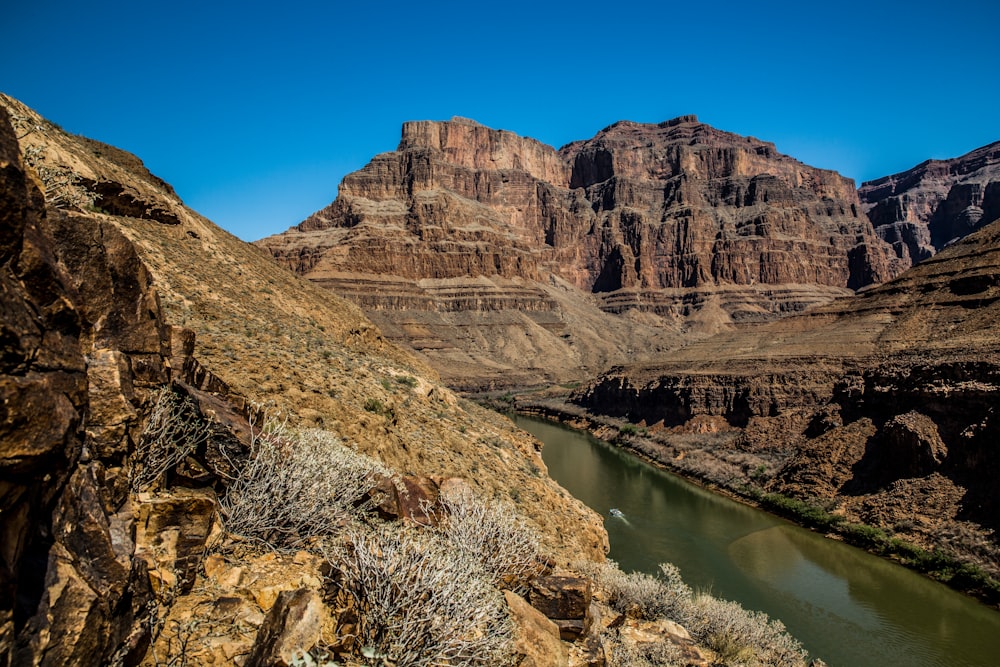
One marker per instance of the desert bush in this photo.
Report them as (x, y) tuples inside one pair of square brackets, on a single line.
[(407, 381), (628, 429), (295, 486), (739, 636), (863, 535), (62, 187), (173, 432), (742, 637), (492, 533), (643, 595), (422, 601), (378, 407), (801, 510), (621, 653)]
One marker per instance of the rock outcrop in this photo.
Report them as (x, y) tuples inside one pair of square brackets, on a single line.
[(502, 260), (86, 347), (921, 210)]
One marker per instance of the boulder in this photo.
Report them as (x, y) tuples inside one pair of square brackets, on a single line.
[(291, 627), (560, 596), (536, 638), (171, 533)]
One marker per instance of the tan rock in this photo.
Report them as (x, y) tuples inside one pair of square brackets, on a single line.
[(171, 532), (292, 625), (536, 638)]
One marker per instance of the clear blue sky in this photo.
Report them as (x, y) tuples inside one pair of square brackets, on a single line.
[(255, 111)]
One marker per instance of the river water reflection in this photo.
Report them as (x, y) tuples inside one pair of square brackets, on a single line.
[(847, 607)]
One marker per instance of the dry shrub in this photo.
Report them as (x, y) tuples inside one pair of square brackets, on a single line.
[(421, 601), (296, 486), (173, 432), (642, 595), (492, 533), (648, 654), (740, 637)]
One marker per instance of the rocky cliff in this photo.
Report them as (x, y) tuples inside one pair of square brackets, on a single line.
[(677, 225), (921, 210)]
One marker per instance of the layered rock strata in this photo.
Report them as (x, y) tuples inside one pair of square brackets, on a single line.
[(699, 228), (921, 210)]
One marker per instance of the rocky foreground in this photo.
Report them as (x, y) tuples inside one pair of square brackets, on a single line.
[(206, 460)]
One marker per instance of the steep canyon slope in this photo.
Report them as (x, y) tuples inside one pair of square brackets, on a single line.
[(921, 210), (504, 261), (113, 292)]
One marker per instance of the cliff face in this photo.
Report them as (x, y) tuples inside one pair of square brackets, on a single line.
[(697, 227), (85, 346), (682, 204), (922, 209)]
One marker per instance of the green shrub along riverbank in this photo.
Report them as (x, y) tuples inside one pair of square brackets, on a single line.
[(935, 563)]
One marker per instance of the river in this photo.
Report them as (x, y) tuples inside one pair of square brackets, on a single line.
[(846, 606)]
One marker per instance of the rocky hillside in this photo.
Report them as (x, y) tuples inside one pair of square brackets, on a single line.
[(921, 210), (504, 261), (89, 345)]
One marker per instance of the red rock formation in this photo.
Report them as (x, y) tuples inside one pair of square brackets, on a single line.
[(922, 209), (682, 204), (701, 227), (883, 403)]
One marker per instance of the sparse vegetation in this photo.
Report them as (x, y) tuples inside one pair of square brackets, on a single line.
[(378, 407), (492, 534), (297, 485), (172, 433), (425, 603), (807, 513), (406, 381), (628, 429), (738, 636), (429, 594)]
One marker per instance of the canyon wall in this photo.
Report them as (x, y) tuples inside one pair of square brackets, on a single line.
[(880, 406), (644, 228), (921, 210)]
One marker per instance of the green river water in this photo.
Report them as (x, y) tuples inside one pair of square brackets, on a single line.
[(846, 606)]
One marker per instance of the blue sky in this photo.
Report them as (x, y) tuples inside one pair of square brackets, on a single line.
[(255, 111)]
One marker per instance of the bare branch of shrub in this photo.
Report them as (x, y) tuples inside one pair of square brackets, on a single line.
[(742, 637), (739, 636), (622, 653), (173, 432), (493, 534), (422, 602), (296, 486)]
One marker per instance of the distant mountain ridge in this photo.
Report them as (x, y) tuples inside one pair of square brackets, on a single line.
[(924, 208), (676, 225)]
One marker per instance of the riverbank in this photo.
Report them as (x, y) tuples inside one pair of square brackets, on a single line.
[(721, 460)]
